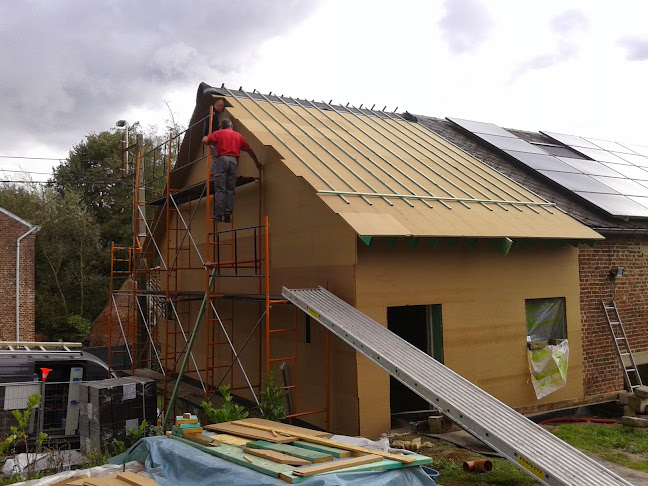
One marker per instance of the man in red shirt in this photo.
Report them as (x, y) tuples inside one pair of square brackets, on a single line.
[(228, 149)]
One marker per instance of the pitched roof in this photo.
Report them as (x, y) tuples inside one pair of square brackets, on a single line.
[(387, 176), (17, 218), (576, 207)]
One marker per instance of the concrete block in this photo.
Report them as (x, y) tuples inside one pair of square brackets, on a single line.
[(641, 391), (628, 412), (623, 397), (440, 424), (634, 421), (637, 404)]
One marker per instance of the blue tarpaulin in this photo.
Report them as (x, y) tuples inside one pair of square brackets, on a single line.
[(173, 463)]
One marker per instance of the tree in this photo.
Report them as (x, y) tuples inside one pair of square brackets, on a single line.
[(71, 283), (92, 170)]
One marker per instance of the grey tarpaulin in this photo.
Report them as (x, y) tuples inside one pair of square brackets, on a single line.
[(172, 463)]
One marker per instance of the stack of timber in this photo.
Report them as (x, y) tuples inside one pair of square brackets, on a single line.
[(291, 453)]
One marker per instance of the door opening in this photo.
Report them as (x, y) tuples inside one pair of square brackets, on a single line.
[(421, 326)]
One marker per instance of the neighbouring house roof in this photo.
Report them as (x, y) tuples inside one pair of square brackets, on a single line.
[(386, 176), (566, 200), (18, 219)]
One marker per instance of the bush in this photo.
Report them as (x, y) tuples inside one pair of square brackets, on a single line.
[(228, 411)]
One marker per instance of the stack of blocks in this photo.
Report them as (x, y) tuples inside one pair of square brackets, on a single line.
[(186, 424), (109, 408), (635, 412)]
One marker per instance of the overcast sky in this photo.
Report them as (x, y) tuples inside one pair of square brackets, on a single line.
[(71, 67)]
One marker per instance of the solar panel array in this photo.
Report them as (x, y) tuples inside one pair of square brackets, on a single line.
[(610, 175)]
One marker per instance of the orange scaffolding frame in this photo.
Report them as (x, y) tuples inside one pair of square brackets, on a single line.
[(157, 303)]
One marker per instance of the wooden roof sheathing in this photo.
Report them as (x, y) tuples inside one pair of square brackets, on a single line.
[(390, 177)]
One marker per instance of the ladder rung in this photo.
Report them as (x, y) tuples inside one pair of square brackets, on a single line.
[(630, 369), (625, 354), (620, 338)]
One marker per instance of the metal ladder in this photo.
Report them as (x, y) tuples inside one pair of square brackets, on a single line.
[(31, 347), (622, 345), (535, 450)]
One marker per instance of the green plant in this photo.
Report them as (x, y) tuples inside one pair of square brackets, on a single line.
[(273, 399), (136, 433), (227, 412), (18, 433)]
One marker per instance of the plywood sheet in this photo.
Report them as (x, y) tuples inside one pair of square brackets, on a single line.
[(346, 153), (302, 453)]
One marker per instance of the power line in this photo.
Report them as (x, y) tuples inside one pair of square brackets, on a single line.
[(31, 158), (25, 172)]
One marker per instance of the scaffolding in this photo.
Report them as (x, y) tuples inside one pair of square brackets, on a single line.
[(153, 316)]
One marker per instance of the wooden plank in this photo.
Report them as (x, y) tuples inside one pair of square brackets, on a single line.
[(136, 479), (337, 465), (334, 451), (243, 431), (201, 439), (235, 455), (332, 443), (384, 465), (275, 456), (104, 481), (312, 456), (287, 427), (230, 439)]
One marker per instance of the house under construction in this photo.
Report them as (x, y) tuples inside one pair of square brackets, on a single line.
[(412, 231)]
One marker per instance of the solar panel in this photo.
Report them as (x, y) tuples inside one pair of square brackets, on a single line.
[(578, 182), (640, 149), (608, 145), (559, 151), (641, 200), (616, 204), (639, 160), (624, 186), (600, 155), (615, 179), (630, 171), (570, 140), (542, 162), (481, 127), (516, 144), (590, 167)]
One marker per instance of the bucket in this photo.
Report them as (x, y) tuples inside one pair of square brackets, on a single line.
[(432, 473)]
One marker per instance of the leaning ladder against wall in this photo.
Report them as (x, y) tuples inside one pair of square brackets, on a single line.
[(630, 370)]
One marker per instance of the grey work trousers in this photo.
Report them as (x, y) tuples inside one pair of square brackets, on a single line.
[(224, 170)]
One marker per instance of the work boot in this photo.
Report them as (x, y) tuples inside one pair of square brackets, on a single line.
[(227, 218), (218, 219)]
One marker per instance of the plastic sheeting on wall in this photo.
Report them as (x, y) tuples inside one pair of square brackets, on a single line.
[(548, 368), (545, 319)]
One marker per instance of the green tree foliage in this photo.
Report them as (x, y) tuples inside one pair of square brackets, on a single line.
[(71, 280), (87, 204), (92, 171)]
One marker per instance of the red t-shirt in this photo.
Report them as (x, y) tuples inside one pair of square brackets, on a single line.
[(228, 142)]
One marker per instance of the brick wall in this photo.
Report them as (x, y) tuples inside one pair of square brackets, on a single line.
[(601, 368), (10, 231)]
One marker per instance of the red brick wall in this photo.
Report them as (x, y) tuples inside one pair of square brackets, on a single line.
[(601, 368), (10, 231)]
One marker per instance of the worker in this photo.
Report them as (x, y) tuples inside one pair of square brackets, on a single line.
[(218, 117), (228, 145)]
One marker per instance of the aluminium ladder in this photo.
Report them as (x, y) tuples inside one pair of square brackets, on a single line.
[(538, 452), (622, 344)]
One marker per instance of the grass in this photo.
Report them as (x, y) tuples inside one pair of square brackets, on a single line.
[(626, 446), (503, 473)]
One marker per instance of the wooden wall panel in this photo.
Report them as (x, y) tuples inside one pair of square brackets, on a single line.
[(482, 294)]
